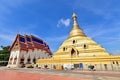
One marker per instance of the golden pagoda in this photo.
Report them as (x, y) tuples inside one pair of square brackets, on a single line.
[(78, 44), (81, 51)]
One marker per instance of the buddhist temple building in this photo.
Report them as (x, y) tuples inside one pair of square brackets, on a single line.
[(81, 52), (26, 50)]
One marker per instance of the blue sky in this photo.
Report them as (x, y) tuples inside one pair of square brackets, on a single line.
[(51, 21)]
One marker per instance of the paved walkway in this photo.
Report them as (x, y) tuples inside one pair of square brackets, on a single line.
[(37, 74), (21, 75)]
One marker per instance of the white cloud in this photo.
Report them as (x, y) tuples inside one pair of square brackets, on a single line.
[(64, 22)]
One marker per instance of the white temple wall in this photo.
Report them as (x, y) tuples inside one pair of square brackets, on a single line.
[(24, 54), (13, 55), (17, 61)]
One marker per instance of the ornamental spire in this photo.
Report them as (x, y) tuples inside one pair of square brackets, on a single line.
[(74, 16), (76, 30)]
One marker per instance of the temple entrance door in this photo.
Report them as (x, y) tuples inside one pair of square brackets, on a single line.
[(22, 62), (105, 65), (81, 65), (72, 52)]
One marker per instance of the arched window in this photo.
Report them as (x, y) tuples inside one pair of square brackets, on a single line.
[(22, 60), (34, 60), (64, 49), (28, 60), (117, 63), (85, 46), (73, 41)]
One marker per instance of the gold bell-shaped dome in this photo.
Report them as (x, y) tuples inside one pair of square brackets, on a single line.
[(76, 30)]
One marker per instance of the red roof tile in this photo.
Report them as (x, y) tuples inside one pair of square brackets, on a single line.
[(24, 44)]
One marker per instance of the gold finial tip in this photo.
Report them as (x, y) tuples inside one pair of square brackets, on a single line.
[(74, 15)]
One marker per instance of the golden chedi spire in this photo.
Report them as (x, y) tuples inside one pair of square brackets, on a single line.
[(76, 30)]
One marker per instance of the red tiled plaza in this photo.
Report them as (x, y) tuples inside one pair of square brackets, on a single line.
[(13, 75), (37, 74)]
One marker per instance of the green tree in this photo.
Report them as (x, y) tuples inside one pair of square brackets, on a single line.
[(4, 55)]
